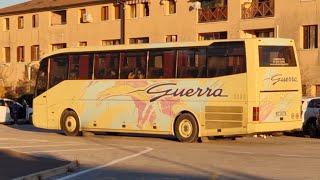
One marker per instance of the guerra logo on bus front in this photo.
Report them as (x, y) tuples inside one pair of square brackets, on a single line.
[(279, 78), (169, 89)]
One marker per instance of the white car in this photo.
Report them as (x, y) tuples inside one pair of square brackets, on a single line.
[(310, 112), (21, 112)]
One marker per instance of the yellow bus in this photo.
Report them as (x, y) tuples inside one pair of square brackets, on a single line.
[(185, 89)]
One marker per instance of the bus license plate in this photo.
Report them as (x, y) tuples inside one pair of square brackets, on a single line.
[(281, 113)]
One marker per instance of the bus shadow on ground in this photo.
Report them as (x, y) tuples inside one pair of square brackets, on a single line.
[(300, 134), (31, 128)]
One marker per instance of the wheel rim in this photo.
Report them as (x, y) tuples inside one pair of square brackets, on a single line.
[(71, 124), (185, 128)]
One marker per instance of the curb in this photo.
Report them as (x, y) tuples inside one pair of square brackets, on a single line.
[(51, 172)]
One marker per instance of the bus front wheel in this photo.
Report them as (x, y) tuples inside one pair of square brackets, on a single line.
[(70, 124), (186, 128)]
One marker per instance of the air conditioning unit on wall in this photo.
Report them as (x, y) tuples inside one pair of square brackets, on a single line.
[(196, 5), (87, 17)]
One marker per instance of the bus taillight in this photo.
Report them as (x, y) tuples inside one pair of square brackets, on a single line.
[(255, 114)]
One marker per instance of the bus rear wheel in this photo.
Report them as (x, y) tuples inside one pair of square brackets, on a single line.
[(186, 128), (70, 124)]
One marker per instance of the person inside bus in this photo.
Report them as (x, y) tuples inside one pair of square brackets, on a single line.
[(136, 74), (140, 74), (74, 73), (131, 75), (101, 74), (112, 74)]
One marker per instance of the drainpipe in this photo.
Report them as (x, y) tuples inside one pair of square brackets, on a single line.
[(123, 19)]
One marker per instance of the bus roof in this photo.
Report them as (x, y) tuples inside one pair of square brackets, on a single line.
[(144, 46)]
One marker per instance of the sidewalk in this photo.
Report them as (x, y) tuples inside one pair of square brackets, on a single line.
[(24, 166)]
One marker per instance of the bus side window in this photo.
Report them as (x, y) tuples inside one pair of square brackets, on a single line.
[(161, 64), (226, 58), (106, 66), (133, 65), (192, 63)]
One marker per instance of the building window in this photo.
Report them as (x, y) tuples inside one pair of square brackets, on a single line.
[(83, 43), (7, 55), (104, 13), (171, 38), (82, 13), (172, 5), (110, 42), (58, 46), (6, 24), (116, 12), (139, 40), (145, 9), (259, 33), (310, 37), (35, 53), (35, 20), (20, 54), (59, 17), (213, 35), (264, 33), (133, 10), (20, 22)]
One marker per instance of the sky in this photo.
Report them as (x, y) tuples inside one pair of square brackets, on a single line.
[(6, 3)]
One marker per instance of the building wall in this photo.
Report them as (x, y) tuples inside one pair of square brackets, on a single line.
[(288, 21)]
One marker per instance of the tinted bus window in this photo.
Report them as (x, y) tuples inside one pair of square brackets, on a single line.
[(161, 64), (276, 56), (191, 63), (133, 65), (106, 66), (42, 78), (80, 67), (226, 58), (58, 70)]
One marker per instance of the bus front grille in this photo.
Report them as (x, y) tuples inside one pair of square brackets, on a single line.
[(218, 117)]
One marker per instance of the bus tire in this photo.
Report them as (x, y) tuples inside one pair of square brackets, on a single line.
[(70, 124), (186, 128)]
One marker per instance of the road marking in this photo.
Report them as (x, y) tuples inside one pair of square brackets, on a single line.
[(291, 155), (49, 145), (66, 150), (281, 155), (16, 139), (108, 164)]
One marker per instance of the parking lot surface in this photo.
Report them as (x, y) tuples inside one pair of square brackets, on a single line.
[(125, 156)]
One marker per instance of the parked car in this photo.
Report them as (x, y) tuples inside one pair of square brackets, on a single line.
[(17, 111), (310, 112)]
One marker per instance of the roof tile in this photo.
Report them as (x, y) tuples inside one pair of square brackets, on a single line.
[(43, 5)]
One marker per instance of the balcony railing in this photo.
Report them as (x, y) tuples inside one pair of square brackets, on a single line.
[(258, 9), (213, 14)]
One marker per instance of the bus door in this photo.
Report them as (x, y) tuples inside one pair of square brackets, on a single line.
[(40, 118), (279, 85)]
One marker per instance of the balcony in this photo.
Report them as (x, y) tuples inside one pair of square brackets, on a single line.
[(213, 14), (258, 9)]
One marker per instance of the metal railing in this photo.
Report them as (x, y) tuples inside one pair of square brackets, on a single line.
[(213, 14), (258, 9)]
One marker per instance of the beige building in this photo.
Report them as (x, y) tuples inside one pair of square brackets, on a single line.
[(34, 28)]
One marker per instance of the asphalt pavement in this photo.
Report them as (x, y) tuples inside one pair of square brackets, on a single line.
[(15, 165)]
